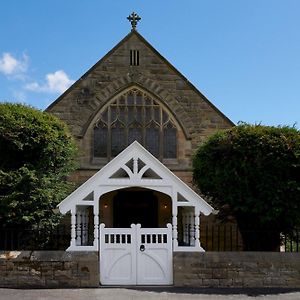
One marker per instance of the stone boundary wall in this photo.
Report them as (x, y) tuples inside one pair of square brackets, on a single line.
[(49, 269), (236, 269)]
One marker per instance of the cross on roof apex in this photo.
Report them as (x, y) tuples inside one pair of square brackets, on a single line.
[(133, 18)]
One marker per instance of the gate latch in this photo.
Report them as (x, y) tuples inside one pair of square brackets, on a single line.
[(142, 248)]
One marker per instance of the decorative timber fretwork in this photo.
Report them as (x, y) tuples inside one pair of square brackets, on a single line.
[(134, 167)]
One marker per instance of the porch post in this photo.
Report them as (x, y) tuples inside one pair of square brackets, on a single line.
[(78, 227), (96, 220), (192, 237), (73, 227), (85, 221), (185, 229), (197, 229), (174, 220)]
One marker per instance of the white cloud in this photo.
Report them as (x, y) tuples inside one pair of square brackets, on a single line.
[(56, 82), (10, 66)]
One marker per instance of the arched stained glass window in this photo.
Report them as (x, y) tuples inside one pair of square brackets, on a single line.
[(135, 115)]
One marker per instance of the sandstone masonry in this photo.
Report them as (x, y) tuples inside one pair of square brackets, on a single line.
[(237, 269), (191, 269)]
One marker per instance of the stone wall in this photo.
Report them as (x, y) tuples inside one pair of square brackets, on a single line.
[(49, 269), (191, 269), (237, 269)]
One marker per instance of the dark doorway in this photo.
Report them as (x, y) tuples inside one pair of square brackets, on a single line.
[(135, 206)]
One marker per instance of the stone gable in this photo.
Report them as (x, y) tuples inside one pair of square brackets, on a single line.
[(80, 105)]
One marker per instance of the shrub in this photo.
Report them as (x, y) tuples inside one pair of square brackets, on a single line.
[(36, 154), (255, 171)]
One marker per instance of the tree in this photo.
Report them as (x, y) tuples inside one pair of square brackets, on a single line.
[(36, 154), (255, 171)]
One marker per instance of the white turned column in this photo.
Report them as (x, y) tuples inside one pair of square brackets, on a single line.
[(78, 226), (192, 228), (73, 228), (174, 219), (175, 232), (185, 228), (96, 230), (85, 226), (197, 229), (96, 219)]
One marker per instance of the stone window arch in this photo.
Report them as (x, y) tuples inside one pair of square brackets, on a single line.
[(135, 115)]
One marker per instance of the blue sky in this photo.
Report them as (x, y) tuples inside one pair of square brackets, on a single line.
[(244, 56)]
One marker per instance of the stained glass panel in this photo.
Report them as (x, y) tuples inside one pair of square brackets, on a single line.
[(139, 99), (152, 140), (139, 114), (135, 134), (122, 114), (130, 99), (105, 116), (118, 141), (131, 114), (148, 114), (100, 142), (170, 141), (113, 113), (157, 114)]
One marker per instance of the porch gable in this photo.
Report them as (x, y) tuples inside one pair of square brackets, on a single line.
[(135, 167)]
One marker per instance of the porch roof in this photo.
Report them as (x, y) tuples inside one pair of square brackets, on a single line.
[(135, 167)]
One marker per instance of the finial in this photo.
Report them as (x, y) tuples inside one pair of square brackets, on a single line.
[(133, 19)]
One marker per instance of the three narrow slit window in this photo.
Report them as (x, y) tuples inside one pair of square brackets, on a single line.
[(134, 57)]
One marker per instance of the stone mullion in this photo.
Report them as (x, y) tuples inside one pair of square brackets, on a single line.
[(143, 122), (126, 126), (126, 119), (161, 149), (109, 133)]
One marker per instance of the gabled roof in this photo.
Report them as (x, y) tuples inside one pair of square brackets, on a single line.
[(144, 41), (135, 167)]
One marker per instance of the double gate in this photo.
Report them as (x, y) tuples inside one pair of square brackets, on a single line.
[(136, 256)]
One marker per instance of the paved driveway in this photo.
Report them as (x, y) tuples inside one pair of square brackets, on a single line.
[(148, 293)]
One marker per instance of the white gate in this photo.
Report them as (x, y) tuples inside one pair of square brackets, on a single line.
[(130, 256)]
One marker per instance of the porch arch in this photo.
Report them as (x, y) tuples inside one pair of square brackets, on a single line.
[(135, 205)]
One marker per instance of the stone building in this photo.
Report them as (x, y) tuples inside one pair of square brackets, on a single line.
[(134, 93), (137, 121)]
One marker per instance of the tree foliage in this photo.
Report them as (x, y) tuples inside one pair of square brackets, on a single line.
[(255, 171), (36, 154)]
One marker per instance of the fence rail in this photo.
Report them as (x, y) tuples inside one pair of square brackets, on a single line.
[(221, 237), (35, 239), (226, 237)]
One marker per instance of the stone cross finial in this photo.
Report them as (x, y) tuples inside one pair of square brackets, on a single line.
[(133, 19)]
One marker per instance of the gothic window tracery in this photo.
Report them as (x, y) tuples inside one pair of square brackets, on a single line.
[(135, 115)]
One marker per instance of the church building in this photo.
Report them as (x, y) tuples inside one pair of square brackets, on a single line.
[(137, 122)]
